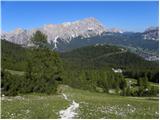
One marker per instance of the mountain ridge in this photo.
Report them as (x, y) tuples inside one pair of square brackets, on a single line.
[(88, 31), (87, 27)]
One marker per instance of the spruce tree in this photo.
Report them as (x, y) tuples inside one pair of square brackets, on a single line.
[(44, 67), (39, 39)]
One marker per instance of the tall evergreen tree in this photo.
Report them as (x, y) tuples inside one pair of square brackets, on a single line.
[(44, 67), (39, 39)]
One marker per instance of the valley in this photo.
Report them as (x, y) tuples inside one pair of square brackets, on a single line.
[(79, 60), (81, 70)]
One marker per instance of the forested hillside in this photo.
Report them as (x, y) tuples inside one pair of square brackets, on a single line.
[(88, 68), (103, 55), (41, 68), (13, 56), (133, 41), (106, 56)]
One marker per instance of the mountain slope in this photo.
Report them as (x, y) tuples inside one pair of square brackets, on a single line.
[(105, 55), (65, 32), (108, 57), (14, 57), (99, 55), (151, 33), (134, 40), (89, 31)]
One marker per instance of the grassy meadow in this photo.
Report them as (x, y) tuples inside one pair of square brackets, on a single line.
[(91, 105)]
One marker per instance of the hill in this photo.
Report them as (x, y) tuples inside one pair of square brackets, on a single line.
[(108, 57), (102, 55)]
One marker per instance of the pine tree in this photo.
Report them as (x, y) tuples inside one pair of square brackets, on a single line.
[(44, 66), (39, 39)]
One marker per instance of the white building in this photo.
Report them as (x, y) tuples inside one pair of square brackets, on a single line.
[(117, 70)]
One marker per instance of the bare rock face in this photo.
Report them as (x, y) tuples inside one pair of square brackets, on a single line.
[(65, 32), (151, 33), (18, 36)]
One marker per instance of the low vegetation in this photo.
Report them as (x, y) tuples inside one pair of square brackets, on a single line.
[(32, 106), (91, 105)]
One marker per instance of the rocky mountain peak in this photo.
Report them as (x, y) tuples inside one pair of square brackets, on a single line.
[(65, 32), (151, 33)]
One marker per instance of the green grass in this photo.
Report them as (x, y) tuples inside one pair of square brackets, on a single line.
[(91, 105), (133, 81), (154, 84), (101, 105), (35, 106)]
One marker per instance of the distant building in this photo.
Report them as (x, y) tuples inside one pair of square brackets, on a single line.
[(117, 70)]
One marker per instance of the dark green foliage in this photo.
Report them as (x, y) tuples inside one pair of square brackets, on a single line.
[(44, 70), (122, 84), (12, 84), (128, 91), (91, 79), (44, 66), (152, 72), (143, 82), (92, 69), (43, 74), (39, 39), (89, 57), (13, 56), (107, 57), (153, 91), (142, 88), (145, 89)]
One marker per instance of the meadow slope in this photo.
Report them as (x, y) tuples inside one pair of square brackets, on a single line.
[(91, 105)]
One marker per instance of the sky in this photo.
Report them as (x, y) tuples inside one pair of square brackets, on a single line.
[(128, 16)]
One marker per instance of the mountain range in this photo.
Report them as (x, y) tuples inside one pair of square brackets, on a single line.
[(66, 31), (88, 31)]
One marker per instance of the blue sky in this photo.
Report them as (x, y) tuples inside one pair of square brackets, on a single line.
[(130, 16)]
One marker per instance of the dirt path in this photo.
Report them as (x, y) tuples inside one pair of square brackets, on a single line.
[(70, 112)]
